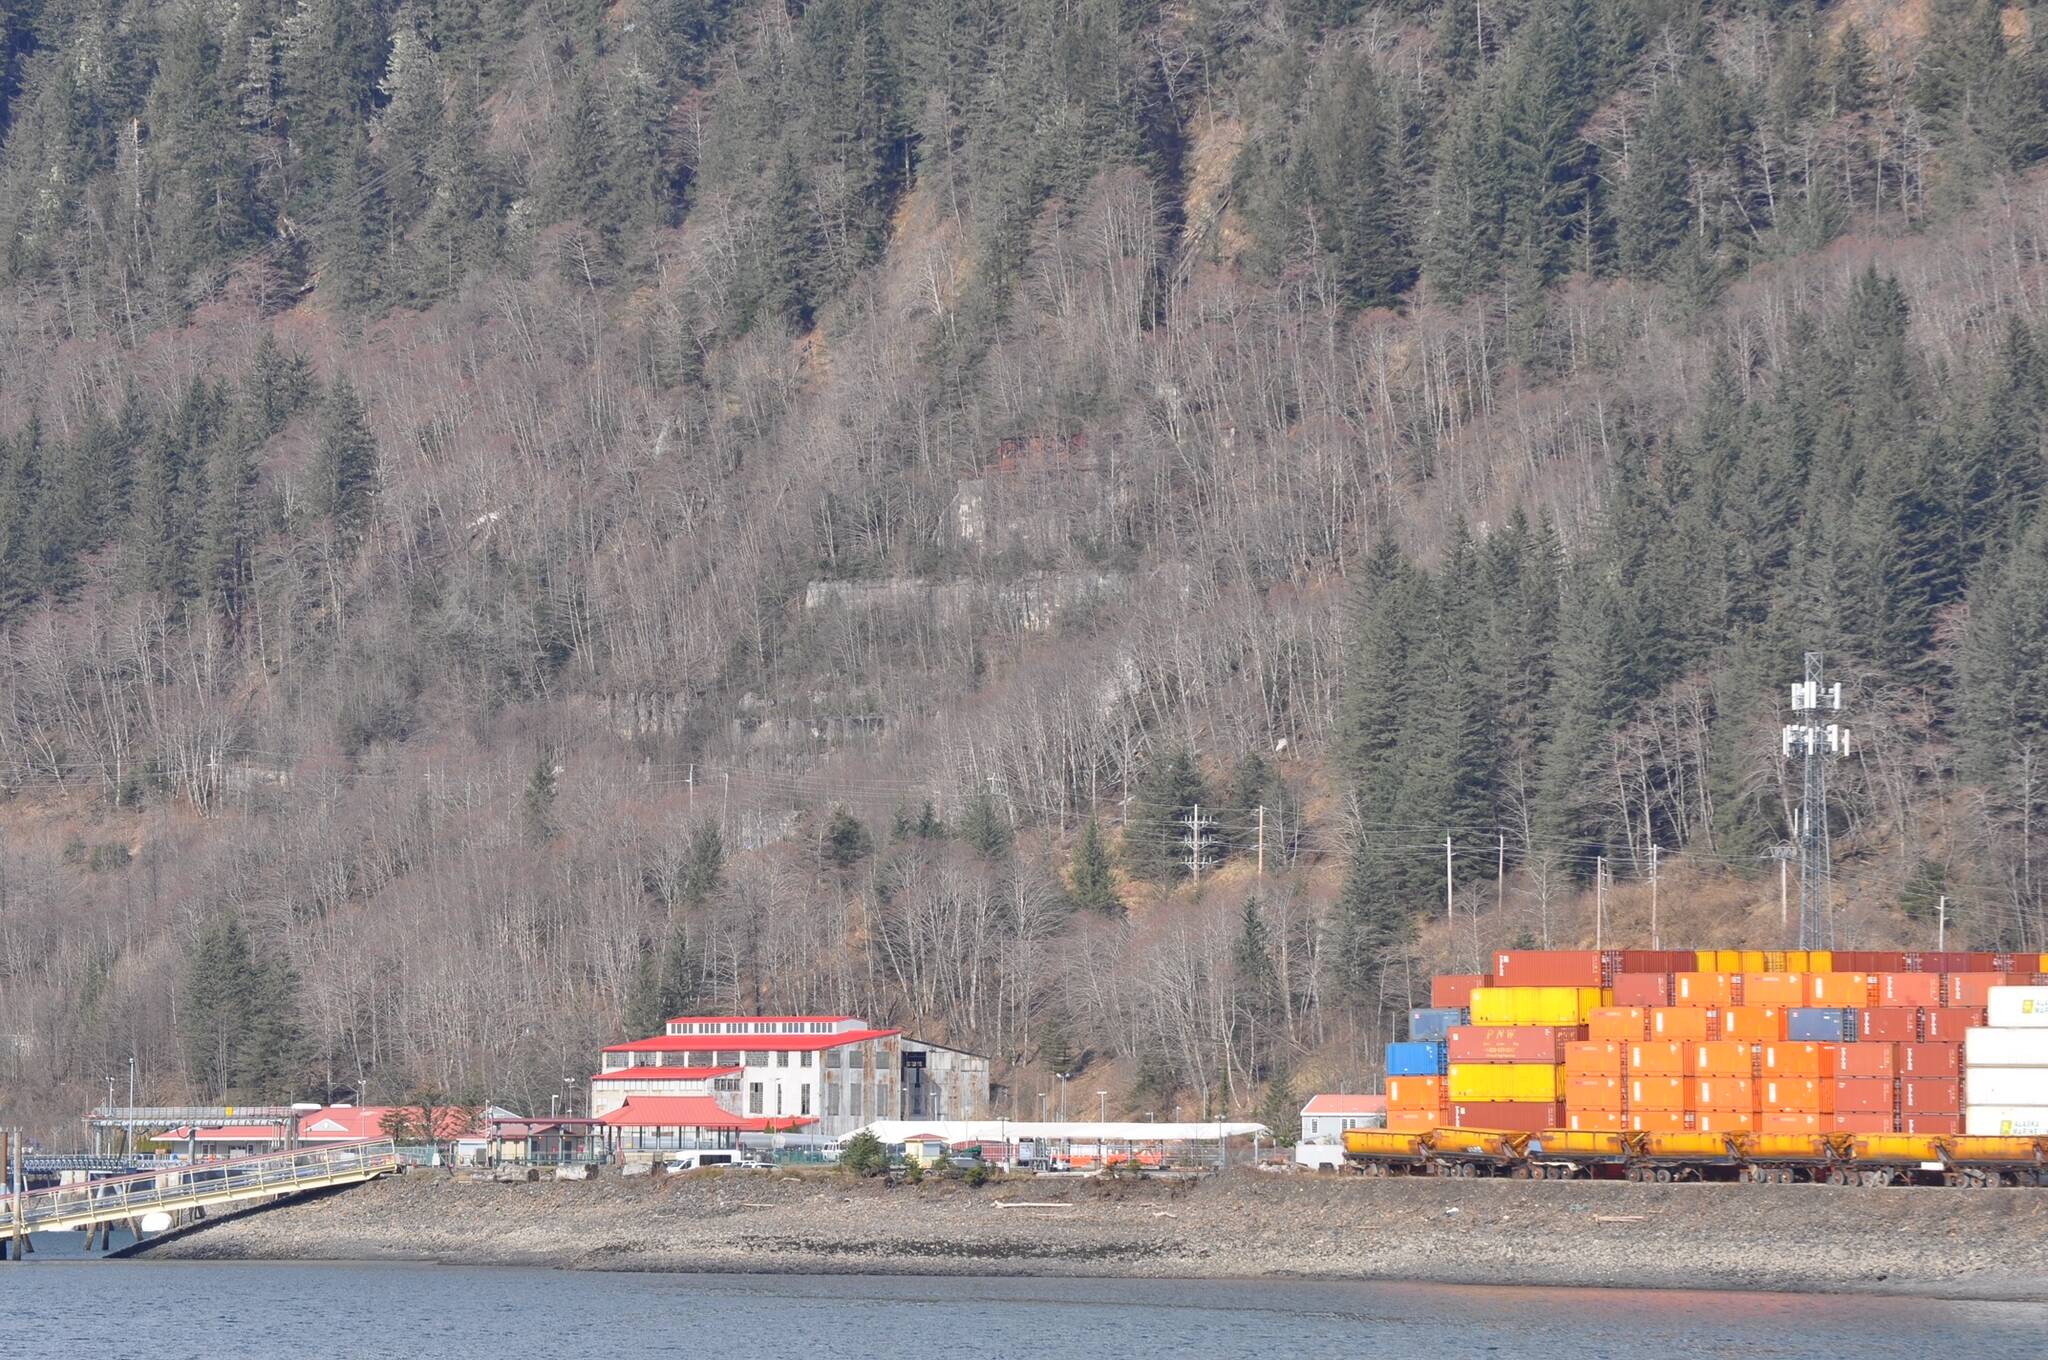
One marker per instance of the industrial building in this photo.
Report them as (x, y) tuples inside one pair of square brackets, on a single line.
[(722, 1075)]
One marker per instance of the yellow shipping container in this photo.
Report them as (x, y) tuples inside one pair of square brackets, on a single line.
[(1536, 1005), (1728, 961), (1506, 1081), (1795, 962), (1756, 961), (1820, 960), (1993, 1148), (2044, 963), (1705, 958)]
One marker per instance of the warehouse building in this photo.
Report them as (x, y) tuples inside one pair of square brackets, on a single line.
[(825, 1074)]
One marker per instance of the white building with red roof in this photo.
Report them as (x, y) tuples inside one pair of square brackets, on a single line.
[(825, 1074)]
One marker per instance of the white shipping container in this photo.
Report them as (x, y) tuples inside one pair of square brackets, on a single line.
[(2006, 1085), (1998, 1121), (2019, 1007), (2005, 1048)]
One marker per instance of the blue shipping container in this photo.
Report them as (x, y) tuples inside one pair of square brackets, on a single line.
[(1820, 1025), (1433, 1024), (1415, 1060)]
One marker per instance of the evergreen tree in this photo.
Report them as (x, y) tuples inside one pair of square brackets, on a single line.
[(1280, 1111), (227, 528), (1091, 881), (1156, 840), (1850, 72), (1350, 191), (983, 828), (704, 865), (238, 1016), (345, 466), (846, 842), (1258, 992), (1651, 208)]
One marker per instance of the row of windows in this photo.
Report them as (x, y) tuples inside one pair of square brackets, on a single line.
[(751, 1026)]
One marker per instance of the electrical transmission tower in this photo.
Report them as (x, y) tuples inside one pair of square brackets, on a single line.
[(1196, 843), (1815, 743)]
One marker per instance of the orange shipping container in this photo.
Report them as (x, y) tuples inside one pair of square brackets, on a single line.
[(1724, 1093), (1595, 1058), (1724, 1058), (1798, 1060), (1657, 1093), (1624, 1023), (1796, 1093), (1593, 1093), (1659, 1121), (1685, 1022), (1447, 990), (1660, 1059), (1414, 1121), (1726, 1121), (1930, 1060), (1968, 989), (1791, 1121), (1761, 1023), (1863, 1059), (1774, 989), (1864, 1095), (1839, 989), (1588, 1121), (1948, 1026), (1416, 1093), (1703, 989)]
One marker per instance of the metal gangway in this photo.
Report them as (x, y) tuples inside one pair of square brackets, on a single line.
[(198, 1185)]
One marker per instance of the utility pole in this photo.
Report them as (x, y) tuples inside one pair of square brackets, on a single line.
[(1599, 900), (1941, 923), (1500, 874), (1815, 742), (1195, 862), (1262, 840), (1450, 914)]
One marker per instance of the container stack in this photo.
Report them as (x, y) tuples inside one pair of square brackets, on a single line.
[(1720, 1041), (2006, 1064)]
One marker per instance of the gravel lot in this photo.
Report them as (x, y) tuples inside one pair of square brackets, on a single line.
[(1950, 1243)]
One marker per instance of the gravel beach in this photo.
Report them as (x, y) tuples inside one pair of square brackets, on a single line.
[(1990, 1244)]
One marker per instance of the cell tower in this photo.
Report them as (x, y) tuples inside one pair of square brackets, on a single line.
[(1815, 743)]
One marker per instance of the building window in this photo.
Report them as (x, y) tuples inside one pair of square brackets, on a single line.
[(856, 1103), (803, 1094), (782, 1058), (753, 1097), (778, 1097), (756, 1058), (831, 1057), (831, 1101)]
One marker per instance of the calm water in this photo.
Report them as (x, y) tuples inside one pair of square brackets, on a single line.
[(228, 1311)]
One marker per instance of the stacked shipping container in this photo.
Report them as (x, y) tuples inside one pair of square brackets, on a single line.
[(2006, 1064), (1720, 1041)]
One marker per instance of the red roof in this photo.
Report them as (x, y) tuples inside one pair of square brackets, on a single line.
[(760, 1043), (693, 1112), (650, 1071), (1333, 1104)]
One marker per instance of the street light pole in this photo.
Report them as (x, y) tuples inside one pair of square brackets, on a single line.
[(1102, 1107)]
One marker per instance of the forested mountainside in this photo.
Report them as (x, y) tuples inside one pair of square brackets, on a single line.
[(520, 518)]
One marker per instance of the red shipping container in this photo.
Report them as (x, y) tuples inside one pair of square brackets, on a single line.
[(1759, 1023), (1658, 1093), (1663, 1059), (1724, 1058), (1594, 1093), (1660, 1121), (1865, 1095), (1725, 1121), (1908, 989), (1549, 968), (1862, 1121), (1969, 989), (1893, 1024), (1931, 1095), (1454, 990), (1797, 1060), (1947, 1026), (1724, 1093), (1930, 1123), (1930, 1060), (1703, 989), (1516, 1116), (1684, 1022), (1866, 1060), (1650, 960), (1595, 1058), (1642, 989), (1509, 1043)]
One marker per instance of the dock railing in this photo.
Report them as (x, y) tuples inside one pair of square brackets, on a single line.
[(196, 1184)]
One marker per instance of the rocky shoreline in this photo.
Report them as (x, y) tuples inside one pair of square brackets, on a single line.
[(1936, 1242)]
